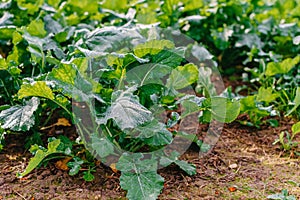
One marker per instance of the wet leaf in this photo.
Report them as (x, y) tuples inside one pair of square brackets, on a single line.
[(139, 177), (20, 118), (75, 165), (126, 110)]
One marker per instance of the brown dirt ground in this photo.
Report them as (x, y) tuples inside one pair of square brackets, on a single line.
[(243, 165)]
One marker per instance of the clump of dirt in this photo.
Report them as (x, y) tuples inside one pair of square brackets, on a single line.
[(243, 165)]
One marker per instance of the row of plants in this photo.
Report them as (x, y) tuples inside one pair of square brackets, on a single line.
[(114, 68)]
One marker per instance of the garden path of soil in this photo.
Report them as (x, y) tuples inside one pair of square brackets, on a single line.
[(243, 165)]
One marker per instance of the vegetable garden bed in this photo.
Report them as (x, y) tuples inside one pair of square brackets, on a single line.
[(168, 99)]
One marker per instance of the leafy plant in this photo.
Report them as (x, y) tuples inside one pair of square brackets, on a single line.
[(287, 140), (113, 100), (278, 93), (115, 68), (63, 150), (284, 195)]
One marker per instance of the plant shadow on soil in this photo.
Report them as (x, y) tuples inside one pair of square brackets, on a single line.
[(243, 165)]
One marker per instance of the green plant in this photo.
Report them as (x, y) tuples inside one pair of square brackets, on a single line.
[(107, 59), (287, 140), (123, 105), (63, 150), (278, 93), (284, 195)]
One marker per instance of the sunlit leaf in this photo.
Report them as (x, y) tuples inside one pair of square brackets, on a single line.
[(39, 156), (36, 28), (283, 67), (296, 128), (266, 95), (152, 47), (183, 76), (37, 89)]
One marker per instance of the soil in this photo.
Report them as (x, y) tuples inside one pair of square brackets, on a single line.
[(242, 165)]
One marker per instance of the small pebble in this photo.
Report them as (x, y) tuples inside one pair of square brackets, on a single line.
[(233, 166)]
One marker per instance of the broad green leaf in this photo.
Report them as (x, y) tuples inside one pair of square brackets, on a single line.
[(20, 118), (31, 6), (296, 102), (3, 64), (170, 57), (6, 32), (102, 146), (88, 6), (17, 38), (36, 28), (81, 64), (88, 176), (54, 3), (152, 47), (39, 156), (115, 5), (183, 76), (75, 166), (296, 128), (249, 106), (140, 186), (250, 40), (155, 133), (147, 15), (107, 40), (282, 67), (126, 110), (139, 177), (189, 107), (64, 73), (190, 5), (148, 74), (169, 6), (38, 89), (73, 84), (190, 169), (221, 109), (161, 65), (266, 95)]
